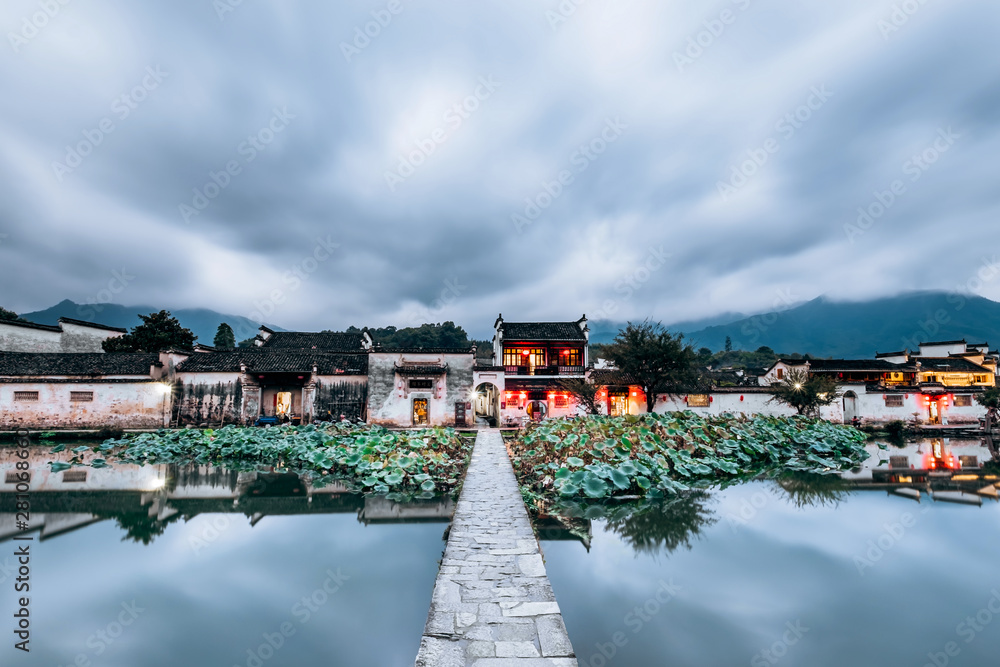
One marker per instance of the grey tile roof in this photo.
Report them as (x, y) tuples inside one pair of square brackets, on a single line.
[(21, 364), (267, 360), (324, 341), (92, 325), (547, 331), (951, 364)]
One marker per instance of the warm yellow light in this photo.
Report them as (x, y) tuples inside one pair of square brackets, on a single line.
[(798, 386), (157, 483), (164, 388)]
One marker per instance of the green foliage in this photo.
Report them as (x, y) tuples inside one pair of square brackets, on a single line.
[(225, 339), (426, 335), (366, 458), (658, 360), (804, 393), (249, 342), (989, 398), (158, 331), (10, 316), (654, 455), (729, 344)]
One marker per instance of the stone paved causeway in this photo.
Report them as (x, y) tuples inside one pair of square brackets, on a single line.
[(493, 604)]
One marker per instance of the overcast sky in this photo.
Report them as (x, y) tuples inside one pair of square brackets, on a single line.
[(509, 156)]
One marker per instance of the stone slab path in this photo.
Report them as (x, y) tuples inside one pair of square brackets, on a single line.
[(493, 605)]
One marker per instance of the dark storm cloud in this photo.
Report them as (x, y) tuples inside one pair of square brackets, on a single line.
[(318, 221)]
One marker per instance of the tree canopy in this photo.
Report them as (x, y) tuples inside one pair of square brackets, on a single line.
[(158, 331), (10, 316), (656, 359), (225, 339), (446, 334), (804, 393)]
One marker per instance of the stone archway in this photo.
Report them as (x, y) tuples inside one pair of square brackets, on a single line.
[(486, 403)]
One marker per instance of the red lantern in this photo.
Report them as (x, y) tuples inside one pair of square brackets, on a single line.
[(741, 398)]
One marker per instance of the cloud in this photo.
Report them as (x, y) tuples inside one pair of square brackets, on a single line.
[(414, 93)]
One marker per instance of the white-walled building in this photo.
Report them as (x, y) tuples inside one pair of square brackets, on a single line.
[(68, 336)]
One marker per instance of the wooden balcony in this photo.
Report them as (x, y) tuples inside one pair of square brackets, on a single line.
[(544, 370)]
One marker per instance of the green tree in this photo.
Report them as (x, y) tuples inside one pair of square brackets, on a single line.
[(658, 360), (158, 331), (225, 339), (804, 393), (729, 344), (989, 398), (584, 391), (249, 342), (10, 316)]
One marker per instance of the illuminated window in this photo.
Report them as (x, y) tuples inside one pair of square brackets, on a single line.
[(698, 401), (570, 357), (893, 401), (980, 379), (420, 412), (527, 356)]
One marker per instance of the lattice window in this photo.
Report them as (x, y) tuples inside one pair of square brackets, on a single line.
[(963, 401), (77, 476), (893, 401), (26, 396), (81, 396)]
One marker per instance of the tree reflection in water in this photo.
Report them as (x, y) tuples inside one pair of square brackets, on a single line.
[(812, 490)]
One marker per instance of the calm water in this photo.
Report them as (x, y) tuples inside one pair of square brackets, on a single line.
[(229, 559), (824, 576)]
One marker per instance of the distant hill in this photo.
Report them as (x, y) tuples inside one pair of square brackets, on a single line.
[(826, 328), (201, 321), (604, 331)]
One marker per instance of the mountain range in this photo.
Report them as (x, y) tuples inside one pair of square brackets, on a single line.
[(202, 321), (826, 328)]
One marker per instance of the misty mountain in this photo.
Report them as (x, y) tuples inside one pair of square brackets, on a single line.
[(201, 321), (826, 328)]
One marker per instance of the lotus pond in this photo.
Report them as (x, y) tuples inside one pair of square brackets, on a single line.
[(658, 455)]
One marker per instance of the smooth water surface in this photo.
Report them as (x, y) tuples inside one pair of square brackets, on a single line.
[(791, 574), (159, 566)]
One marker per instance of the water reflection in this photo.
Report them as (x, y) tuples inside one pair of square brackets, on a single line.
[(144, 500), (218, 560), (879, 564), (941, 470)]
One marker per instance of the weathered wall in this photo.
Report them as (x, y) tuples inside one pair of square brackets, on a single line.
[(72, 338), (210, 398), (115, 405), (341, 396), (76, 338), (23, 339), (390, 400)]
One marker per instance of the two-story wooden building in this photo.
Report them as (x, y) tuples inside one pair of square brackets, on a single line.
[(534, 358)]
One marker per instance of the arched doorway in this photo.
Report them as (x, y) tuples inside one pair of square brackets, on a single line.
[(487, 404), (850, 407)]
